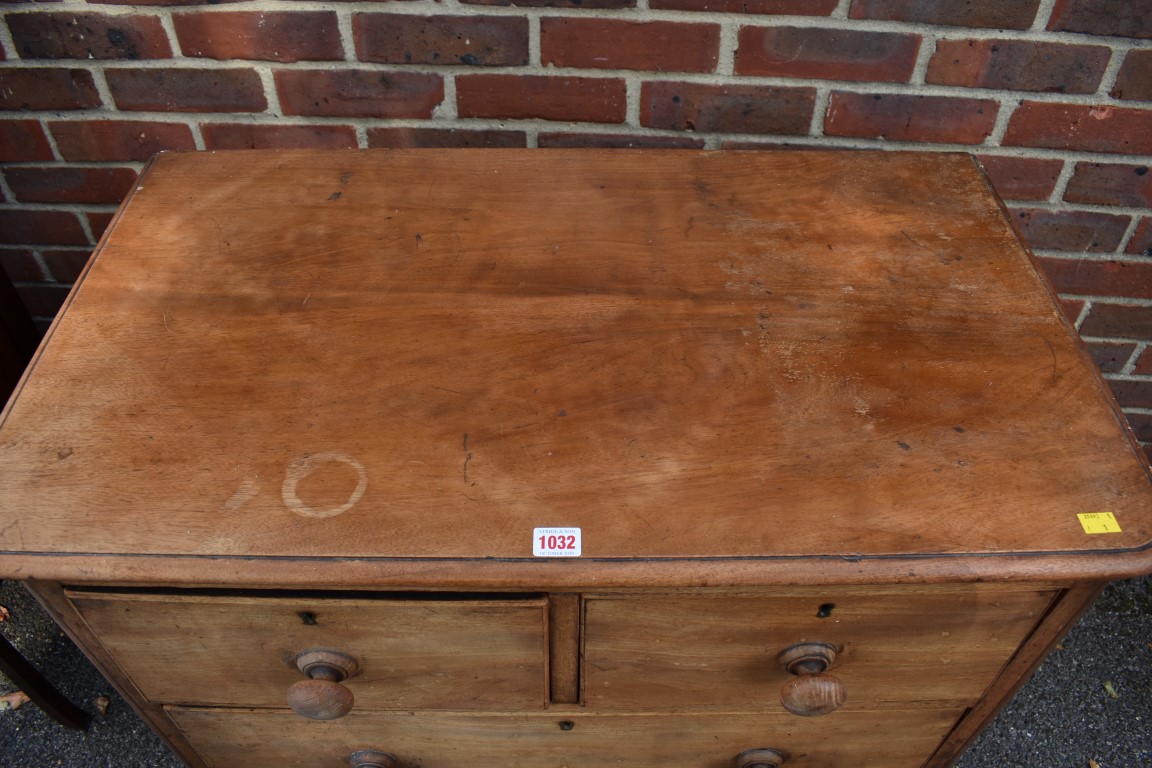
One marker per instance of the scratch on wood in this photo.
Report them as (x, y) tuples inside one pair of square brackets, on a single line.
[(762, 329), (1055, 361), (467, 457), (916, 242)]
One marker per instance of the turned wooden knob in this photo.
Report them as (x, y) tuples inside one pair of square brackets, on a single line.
[(761, 758), (812, 692), (321, 697), (372, 758)]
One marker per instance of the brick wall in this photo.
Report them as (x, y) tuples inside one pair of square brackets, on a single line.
[(1054, 96)]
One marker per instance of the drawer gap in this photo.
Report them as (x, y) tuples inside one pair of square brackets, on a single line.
[(309, 594)]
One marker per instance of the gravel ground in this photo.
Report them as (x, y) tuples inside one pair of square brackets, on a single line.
[(1063, 718)]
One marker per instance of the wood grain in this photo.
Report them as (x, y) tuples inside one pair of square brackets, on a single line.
[(52, 597), (237, 739), (788, 397), (824, 355), (680, 653), (1064, 614), (425, 654)]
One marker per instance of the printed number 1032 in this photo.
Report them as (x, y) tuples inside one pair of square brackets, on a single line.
[(557, 542)]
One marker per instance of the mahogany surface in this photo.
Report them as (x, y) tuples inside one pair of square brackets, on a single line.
[(383, 355)]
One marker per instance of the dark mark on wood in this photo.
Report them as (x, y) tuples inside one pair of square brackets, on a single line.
[(903, 445), (467, 457)]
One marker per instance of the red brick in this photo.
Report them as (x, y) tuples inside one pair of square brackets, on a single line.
[(575, 4), (727, 108), (267, 36), (781, 7), (187, 90), (760, 145), (19, 227), (21, 265), (1072, 309), (1141, 242), (47, 88), (830, 54), (1022, 178), (1131, 18), (578, 99), (359, 93), (1110, 357), (246, 136), (1104, 184), (476, 41), (998, 14), (1019, 65), (87, 36), (1132, 393), (1088, 277), (69, 184), (98, 222), (23, 141), (1141, 422), (444, 137), (43, 300), (657, 46), (1081, 127), (1071, 230), (1144, 364), (66, 264), (1134, 82), (910, 118), (1118, 321), (118, 140), (616, 141)]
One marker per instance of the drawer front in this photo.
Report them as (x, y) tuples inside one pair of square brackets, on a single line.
[(240, 739), (240, 651), (934, 648)]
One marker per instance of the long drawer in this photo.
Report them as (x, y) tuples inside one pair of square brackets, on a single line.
[(241, 739), (234, 650), (935, 647)]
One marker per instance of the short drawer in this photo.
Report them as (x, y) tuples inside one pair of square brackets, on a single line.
[(413, 653), (241, 739), (939, 647)]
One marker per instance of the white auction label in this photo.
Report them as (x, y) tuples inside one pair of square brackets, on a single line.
[(556, 542)]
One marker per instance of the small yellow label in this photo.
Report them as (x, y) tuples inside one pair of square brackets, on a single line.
[(1099, 522)]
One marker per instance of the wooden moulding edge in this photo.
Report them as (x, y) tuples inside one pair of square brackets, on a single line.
[(569, 574)]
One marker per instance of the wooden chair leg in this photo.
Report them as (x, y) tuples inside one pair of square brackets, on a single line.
[(17, 669)]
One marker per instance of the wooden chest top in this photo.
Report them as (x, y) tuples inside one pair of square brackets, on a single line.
[(720, 366)]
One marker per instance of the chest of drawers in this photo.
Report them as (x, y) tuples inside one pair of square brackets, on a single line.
[(819, 472)]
